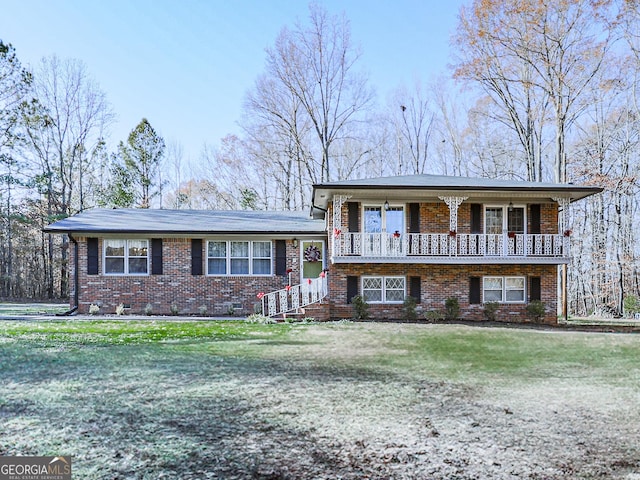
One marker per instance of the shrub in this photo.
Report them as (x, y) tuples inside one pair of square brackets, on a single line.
[(409, 309), (94, 309), (231, 310), (434, 316), (148, 310), (452, 308), (203, 310), (360, 308), (491, 310), (631, 305), (174, 309), (120, 309), (536, 310)]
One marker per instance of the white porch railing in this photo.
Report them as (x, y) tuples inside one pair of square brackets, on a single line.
[(294, 297), (445, 245)]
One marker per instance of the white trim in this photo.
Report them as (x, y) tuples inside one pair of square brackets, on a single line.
[(503, 279), (125, 258), (384, 289), (250, 258)]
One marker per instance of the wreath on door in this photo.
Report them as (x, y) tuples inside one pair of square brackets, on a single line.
[(312, 254)]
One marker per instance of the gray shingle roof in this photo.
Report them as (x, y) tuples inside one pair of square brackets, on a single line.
[(188, 222), (444, 181), (444, 184)]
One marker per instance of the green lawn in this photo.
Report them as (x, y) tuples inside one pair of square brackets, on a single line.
[(148, 399)]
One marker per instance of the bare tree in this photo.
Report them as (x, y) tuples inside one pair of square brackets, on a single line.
[(61, 130), (315, 64), (530, 56)]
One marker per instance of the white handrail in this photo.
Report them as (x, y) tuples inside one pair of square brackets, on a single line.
[(293, 297)]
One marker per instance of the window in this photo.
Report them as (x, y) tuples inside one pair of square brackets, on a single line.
[(504, 289), (126, 257), (383, 289), (504, 219), (238, 258)]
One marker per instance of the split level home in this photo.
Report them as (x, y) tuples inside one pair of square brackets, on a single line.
[(430, 237)]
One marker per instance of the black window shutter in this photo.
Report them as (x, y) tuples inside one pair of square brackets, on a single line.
[(156, 256), (474, 290), (535, 290), (534, 213), (353, 209), (92, 256), (414, 218), (196, 256), (476, 218), (415, 289), (281, 257), (352, 287)]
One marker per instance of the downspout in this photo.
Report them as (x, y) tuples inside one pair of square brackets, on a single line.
[(76, 281)]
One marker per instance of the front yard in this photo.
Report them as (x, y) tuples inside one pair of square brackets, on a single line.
[(150, 399)]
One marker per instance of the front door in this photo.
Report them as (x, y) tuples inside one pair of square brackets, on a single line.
[(312, 252)]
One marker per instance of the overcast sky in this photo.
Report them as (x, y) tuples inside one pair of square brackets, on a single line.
[(186, 65)]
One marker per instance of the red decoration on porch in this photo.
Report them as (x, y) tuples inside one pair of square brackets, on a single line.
[(512, 234), (567, 233), (309, 281), (260, 295), (452, 233), (287, 288), (322, 274), (289, 270), (312, 254), (396, 234), (336, 232)]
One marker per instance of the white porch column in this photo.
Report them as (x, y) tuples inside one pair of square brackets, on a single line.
[(453, 203), (336, 222), (563, 203), (338, 201)]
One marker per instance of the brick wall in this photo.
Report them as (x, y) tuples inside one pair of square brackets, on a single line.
[(176, 286), (439, 282)]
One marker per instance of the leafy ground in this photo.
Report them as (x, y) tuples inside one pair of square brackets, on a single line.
[(150, 399)]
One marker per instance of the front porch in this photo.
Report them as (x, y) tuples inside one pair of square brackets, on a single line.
[(449, 247)]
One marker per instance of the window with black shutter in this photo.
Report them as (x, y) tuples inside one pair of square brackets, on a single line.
[(414, 218), (196, 256), (534, 218), (415, 289), (535, 289), (352, 287), (281, 257), (353, 211), (156, 256), (476, 218), (92, 256), (475, 296)]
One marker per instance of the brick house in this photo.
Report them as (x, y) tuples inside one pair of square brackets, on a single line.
[(427, 236)]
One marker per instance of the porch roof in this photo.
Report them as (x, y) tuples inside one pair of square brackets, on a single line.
[(198, 222), (409, 186)]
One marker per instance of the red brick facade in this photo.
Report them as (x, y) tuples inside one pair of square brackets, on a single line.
[(177, 289)]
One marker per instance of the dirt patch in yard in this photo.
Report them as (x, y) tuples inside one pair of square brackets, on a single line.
[(324, 402)]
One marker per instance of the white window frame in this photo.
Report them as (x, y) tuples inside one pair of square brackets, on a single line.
[(126, 257), (383, 296), (505, 215), (250, 258), (504, 289)]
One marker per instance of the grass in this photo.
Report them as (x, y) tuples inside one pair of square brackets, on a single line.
[(227, 399), (32, 308)]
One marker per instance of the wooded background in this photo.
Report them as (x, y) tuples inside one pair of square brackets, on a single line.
[(542, 90)]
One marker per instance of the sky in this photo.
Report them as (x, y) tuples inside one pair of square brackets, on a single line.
[(186, 65)]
